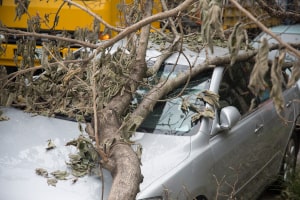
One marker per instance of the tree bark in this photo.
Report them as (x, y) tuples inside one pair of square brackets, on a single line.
[(121, 159)]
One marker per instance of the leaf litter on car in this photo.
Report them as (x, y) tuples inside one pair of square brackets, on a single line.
[(84, 162), (3, 117)]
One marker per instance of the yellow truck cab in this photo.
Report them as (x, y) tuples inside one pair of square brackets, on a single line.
[(55, 16)]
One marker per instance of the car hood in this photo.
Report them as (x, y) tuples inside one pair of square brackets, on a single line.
[(23, 149), (160, 154)]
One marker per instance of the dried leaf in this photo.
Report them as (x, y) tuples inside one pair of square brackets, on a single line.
[(257, 82), (85, 160), (209, 97), (212, 23), (80, 127), (295, 74), (3, 117), (139, 151), (70, 74), (235, 41), (74, 158), (205, 113), (79, 173), (185, 105), (130, 126), (50, 145), (60, 175), (276, 78), (41, 172), (21, 8), (52, 181), (33, 24)]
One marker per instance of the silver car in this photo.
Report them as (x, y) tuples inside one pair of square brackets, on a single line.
[(234, 155)]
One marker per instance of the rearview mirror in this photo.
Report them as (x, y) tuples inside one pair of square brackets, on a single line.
[(229, 116)]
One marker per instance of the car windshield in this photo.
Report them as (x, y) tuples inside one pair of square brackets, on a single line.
[(168, 117)]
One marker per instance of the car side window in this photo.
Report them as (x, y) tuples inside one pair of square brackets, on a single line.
[(265, 95), (234, 89)]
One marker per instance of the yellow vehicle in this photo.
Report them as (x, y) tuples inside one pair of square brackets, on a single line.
[(232, 15), (55, 16)]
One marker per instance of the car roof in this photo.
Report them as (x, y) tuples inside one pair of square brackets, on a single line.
[(186, 57), (189, 57), (287, 29), (288, 33)]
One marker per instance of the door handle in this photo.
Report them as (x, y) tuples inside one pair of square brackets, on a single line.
[(258, 128), (288, 104)]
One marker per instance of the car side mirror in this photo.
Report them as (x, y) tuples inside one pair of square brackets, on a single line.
[(229, 116)]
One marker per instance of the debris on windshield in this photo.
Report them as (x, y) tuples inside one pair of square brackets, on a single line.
[(3, 117), (207, 112), (185, 105), (41, 172), (206, 96), (209, 97), (50, 145)]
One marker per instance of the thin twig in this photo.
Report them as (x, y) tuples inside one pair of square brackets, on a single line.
[(95, 103), (53, 37)]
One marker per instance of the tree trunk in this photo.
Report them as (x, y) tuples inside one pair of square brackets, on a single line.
[(122, 160)]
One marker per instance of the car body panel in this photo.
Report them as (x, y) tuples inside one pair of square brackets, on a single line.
[(161, 153), (230, 150), (23, 149)]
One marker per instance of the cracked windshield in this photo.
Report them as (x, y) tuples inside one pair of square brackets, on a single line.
[(181, 109)]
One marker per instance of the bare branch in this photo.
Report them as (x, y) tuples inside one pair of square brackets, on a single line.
[(274, 11), (52, 37), (143, 22), (165, 54)]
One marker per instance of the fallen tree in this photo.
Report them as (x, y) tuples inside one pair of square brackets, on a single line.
[(101, 84)]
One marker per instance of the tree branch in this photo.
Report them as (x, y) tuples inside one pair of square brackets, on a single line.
[(265, 29), (165, 54), (52, 37), (143, 22), (163, 88), (273, 11)]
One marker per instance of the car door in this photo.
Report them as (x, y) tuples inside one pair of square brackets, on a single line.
[(237, 152), (277, 127)]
